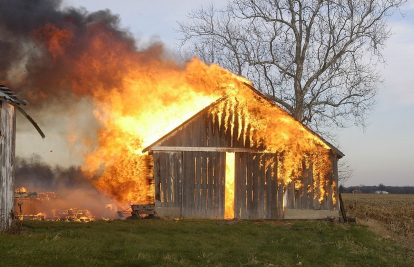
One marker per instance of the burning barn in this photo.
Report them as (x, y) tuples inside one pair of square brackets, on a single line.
[(8, 103), (245, 157), (240, 156)]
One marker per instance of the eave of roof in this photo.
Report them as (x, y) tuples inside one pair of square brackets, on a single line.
[(8, 94)]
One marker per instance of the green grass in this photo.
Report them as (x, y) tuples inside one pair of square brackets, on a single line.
[(198, 243)]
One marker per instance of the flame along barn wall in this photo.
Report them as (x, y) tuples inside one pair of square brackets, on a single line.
[(189, 172), (7, 150)]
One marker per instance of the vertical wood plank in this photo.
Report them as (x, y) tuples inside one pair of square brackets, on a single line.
[(268, 188), (261, 186), (204, 185), (210, 185), (291, 195), (162, 178), (237, 165), (243, 185), (188, 184), (280, 208), (330, 180), (184, 184), (215, 193), (310, 187), (297, 200), (304, 189), (249, 186), (256, 181), (180, 180), (216, 131), (197, 166), (169, 178), (229, 134), (207, 118), (157, 182), (236, 140), (248, 134)]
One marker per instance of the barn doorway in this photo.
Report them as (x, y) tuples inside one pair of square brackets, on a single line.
[(229, 193)]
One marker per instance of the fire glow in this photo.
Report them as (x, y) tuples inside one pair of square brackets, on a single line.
[(139, 96)]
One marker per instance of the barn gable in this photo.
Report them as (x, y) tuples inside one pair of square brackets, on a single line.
[(190, 166), (205, 129)]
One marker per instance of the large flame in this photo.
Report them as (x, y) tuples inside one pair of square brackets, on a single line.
[(229, 192), (140, 96)]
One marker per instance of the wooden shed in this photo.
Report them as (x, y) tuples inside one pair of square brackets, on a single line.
[(190, 164), (8, 105)]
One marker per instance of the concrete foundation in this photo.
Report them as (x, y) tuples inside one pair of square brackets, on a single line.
[(298, 214), (168, 212)]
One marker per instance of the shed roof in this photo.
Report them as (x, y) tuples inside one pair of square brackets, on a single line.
[(11, 98), (334, 149)]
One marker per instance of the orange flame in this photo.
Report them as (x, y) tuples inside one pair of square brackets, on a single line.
[(21, 190), (138, 97), (229, 188)]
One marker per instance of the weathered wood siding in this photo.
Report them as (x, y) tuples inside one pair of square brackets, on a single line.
[(258, 193), (213, 130), (204, 185), (193, 178), (7, 150), (168, 177), (311, 192)]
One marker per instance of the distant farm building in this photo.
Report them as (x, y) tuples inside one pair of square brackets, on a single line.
[(190, 164), (8, 104)]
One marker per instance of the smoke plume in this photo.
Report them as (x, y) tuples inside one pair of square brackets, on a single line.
[(59, 59)]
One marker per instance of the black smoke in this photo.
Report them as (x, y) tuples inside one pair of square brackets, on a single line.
[(36, 175), (23, 41)]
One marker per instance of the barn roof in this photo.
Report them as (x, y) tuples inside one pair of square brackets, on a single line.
[(11, 98), (334, 149)]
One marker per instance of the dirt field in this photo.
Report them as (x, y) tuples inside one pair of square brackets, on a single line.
[(392, 214)]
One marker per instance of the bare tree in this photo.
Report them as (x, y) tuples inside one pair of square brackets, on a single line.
[(316, 58), (345, 171)]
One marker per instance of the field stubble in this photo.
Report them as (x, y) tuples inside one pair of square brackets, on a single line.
[(395, 212)]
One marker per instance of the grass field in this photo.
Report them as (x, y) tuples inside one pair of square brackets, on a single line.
[(396, 212), (198, 243)]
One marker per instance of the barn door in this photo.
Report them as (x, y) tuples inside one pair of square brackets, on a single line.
[(257, 194), (203, 184), (168, 172)]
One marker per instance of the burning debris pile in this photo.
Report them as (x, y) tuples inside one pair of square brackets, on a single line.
[(42, 206), (57, 193), (60, 58)]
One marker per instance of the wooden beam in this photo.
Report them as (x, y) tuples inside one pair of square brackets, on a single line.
[(204, 149)]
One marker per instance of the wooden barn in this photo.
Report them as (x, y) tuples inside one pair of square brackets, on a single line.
[(8, 104), (194, 163)]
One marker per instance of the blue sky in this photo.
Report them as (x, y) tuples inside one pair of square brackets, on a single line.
[(383, 153)]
